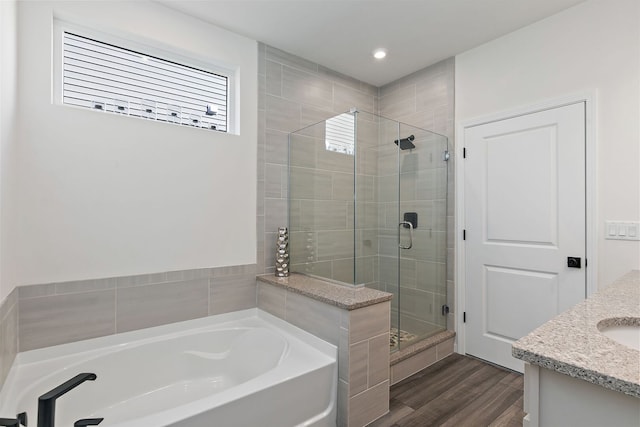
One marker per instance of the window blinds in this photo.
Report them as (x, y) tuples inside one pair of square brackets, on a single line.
[(108, 78), (339, 133)]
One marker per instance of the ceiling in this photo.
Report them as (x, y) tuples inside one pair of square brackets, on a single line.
[(341, 34)]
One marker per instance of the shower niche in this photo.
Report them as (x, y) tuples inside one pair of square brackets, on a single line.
[(368, 207)]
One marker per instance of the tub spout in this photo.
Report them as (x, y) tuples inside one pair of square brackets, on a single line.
[(47, 402)]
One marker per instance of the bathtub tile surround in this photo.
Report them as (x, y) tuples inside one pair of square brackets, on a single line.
[(58, 313), (232, 288), (8, 333), (56, 319), (356, 320), (142, 307)]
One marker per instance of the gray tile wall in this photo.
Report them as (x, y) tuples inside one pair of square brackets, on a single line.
[(362, 337), (426, 99), (58, 313), (8, 333), (294, 93), (322, 205)]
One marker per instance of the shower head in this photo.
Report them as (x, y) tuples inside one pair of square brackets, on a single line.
[(406, 143)]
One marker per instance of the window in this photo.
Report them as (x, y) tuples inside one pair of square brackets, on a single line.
[(105, 77), (339, 133)]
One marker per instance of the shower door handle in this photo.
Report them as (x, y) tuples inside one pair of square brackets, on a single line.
[(404, 224)]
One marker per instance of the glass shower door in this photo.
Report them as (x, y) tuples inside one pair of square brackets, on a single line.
[(422, 227)]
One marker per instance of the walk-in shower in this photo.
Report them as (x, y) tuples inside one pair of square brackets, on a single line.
[(368, 207)]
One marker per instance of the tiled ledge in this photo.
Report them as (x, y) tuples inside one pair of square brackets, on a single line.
[(340, 296)]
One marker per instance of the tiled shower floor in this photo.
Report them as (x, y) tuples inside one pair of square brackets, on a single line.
[(399, 336)]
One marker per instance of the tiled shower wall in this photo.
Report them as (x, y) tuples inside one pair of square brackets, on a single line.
[(426, 99), (321, 219), (294, 93)]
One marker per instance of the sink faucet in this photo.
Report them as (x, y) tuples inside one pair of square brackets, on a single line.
[(47, 402)]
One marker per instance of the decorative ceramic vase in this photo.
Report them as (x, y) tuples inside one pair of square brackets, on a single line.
[(282, 253)]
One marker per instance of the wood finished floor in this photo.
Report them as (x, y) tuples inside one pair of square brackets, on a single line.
[(457, 391)]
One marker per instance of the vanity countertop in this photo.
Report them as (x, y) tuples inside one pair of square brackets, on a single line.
[(342, 296), (571, 343)]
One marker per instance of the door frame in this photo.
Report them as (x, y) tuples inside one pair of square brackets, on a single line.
[(589, 97)]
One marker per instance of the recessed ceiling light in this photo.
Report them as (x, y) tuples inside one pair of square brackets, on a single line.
[(379, 53)]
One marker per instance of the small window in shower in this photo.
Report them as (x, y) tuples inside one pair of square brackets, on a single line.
[(339, 134)]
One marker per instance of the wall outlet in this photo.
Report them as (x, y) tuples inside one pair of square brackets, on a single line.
[(622, 230)]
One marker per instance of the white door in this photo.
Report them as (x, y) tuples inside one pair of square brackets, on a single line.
[(524, 217)]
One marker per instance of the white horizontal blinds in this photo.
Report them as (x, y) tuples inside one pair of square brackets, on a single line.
[(109, 78), (339, 133)]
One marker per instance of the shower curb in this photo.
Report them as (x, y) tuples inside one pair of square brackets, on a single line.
[(413, 349)]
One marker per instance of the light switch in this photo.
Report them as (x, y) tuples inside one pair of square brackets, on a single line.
[(622, 230)]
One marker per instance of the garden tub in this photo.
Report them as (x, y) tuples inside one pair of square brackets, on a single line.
[(246, 368)]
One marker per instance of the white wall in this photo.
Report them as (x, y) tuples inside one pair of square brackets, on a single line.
[(101, 195), (8, 82), (595, 45)]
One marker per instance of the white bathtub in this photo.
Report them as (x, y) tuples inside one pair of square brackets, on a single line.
[(242, 369)]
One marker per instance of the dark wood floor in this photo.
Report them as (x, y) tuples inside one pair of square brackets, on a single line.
[(457, 391)]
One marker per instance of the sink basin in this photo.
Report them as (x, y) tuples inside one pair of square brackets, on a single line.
[(626, 334)]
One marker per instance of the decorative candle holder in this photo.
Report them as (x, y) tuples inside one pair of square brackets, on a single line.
[(282, 253)]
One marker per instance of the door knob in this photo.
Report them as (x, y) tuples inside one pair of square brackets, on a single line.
[(574, 262)]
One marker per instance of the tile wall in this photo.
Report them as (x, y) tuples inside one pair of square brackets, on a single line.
[(426, 99), (8, 333), (323, 234), (295, 93), (58, 313), (362, 337)]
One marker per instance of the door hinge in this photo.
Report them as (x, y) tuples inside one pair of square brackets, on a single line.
[(464, 317), (464, 152), (585, 263), (445, 309), (464, 234), (446, 156)]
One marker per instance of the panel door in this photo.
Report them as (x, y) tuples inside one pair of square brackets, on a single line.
[(524, 216)]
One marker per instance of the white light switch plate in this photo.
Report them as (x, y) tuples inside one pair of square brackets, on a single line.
[(622, 230)]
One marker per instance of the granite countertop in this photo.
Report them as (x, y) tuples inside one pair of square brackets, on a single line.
[(571, 343), (342, 296)]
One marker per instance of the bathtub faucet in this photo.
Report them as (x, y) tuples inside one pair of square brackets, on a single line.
[(47, 402)]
